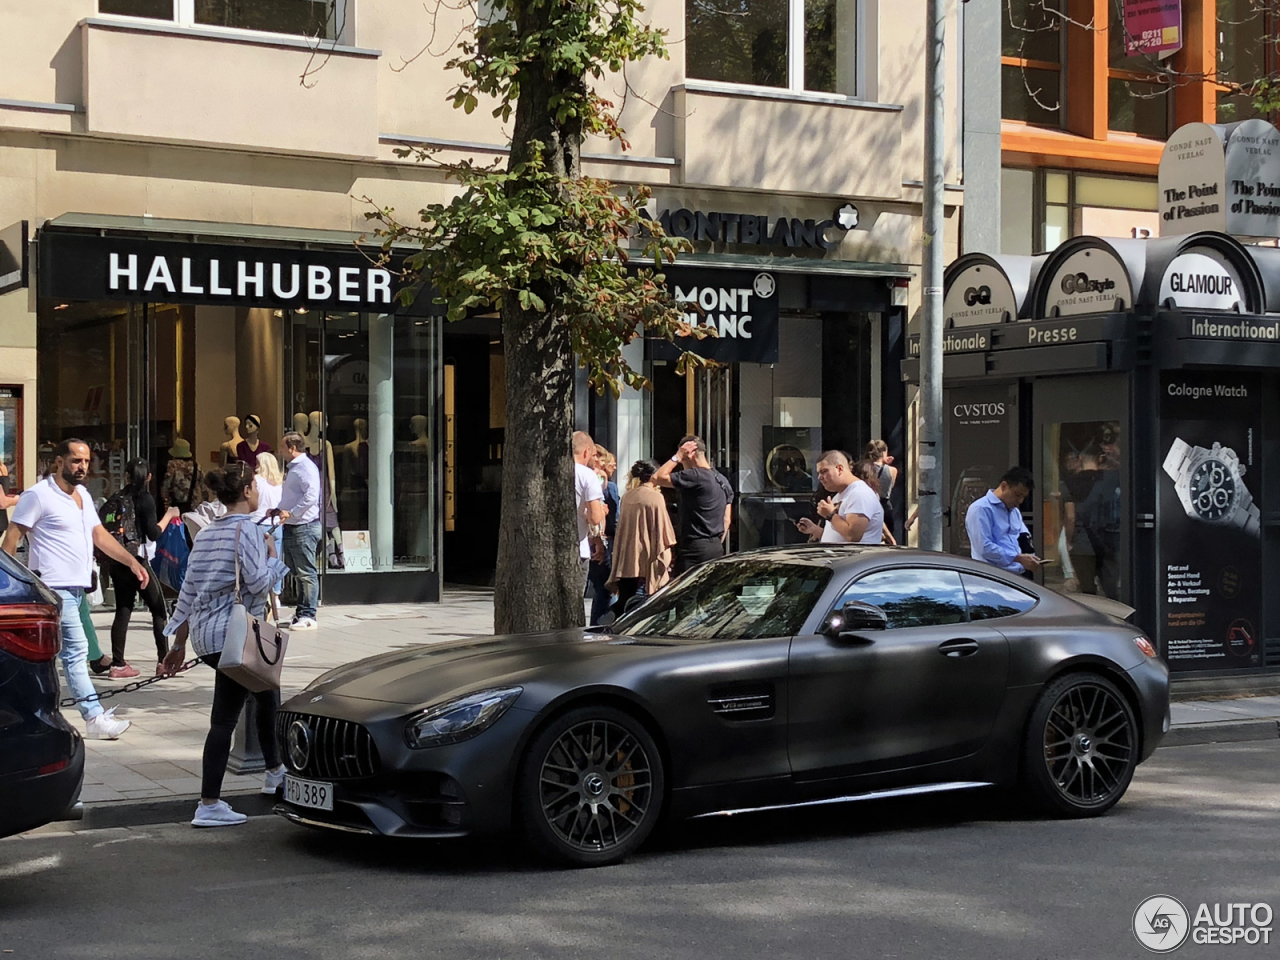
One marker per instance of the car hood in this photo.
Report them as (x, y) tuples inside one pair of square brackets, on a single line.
[(430, 673)]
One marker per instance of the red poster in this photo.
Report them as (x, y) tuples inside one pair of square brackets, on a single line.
[(1152, 26)]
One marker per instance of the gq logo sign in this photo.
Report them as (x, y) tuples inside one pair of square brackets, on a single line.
[(976, 295), (1081, 283), (1162, 924)]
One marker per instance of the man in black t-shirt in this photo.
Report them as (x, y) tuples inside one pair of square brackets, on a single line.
[(705, 503)]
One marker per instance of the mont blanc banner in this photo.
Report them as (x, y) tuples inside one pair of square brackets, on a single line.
[(739, 306), (1210, 554), (1152, 27)]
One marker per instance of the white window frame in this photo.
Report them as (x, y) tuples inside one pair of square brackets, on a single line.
[(184, 15), (864, 67)]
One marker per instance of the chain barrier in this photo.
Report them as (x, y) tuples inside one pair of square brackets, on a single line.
[(128, 687)]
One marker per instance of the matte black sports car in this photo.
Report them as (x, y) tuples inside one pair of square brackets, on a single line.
[(780, 677)]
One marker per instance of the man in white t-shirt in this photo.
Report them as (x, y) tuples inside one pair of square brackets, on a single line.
[(588, 497), (853, 515), (58, 518)]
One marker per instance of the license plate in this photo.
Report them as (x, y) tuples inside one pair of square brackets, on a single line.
[(308, 793)]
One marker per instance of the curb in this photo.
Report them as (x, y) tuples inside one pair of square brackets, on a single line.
[(138, 813), (1222, 731)]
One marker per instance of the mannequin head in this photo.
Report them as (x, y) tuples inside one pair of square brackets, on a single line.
[(318, 421), (231, 426), (418, 424), (252, 423), (362, 428), (300, 423)]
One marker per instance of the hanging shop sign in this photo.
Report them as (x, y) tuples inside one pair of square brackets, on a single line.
[(1090, 280), (1222, 178), (1152, 27), (981, 429), (1201, 278), (14, 269), (1210, 546), (760, 230), (739, 306), (978, 294), (76, 266)]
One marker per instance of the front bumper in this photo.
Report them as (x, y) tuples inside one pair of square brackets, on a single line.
[(1151, 680)]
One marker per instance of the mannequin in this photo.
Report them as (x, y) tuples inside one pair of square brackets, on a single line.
[(321, 451), (301, 423), (252, 445), (418, 424), (230, 447), (352, 449)]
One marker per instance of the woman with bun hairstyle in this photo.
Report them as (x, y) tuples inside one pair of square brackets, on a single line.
[(202, 614), (644, 539)]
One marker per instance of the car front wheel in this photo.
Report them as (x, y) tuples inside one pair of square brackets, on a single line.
[(590, 787), (1081, 746)]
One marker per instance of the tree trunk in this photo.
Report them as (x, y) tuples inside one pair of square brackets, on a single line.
[(539, 583)]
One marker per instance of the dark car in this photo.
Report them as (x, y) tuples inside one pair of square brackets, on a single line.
[(779, 677), (41, 755)]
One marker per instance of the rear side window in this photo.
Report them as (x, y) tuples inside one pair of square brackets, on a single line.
[(19, 585), (911, 596), (990, 599)]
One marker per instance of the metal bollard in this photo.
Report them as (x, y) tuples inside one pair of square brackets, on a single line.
[(246, 751)]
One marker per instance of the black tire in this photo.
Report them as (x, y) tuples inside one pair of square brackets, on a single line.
[(590, 787), (1081, 747)]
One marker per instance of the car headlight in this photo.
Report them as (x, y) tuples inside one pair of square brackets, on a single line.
[(459, 719)]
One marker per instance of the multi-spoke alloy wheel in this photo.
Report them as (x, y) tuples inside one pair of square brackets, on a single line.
[(1082, 746), (591, 786)]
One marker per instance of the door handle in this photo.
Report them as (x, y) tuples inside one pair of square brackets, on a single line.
[(962, 647)]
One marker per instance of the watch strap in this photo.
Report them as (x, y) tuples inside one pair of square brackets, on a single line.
[(1175, 460)]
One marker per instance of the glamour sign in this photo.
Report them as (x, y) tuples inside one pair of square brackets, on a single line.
[(87, 267)]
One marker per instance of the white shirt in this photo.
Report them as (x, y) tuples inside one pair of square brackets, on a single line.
[(586, 487), (301, 492), (61, 537), (857, 498), (269, 495)]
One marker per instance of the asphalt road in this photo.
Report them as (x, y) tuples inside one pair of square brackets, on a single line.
[(957, 876)]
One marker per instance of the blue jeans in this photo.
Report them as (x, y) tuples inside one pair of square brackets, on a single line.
[(597, 576), (277, 534), (300, 542), (75, 651)]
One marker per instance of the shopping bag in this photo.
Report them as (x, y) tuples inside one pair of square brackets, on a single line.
[(171, 556), (254, 648)]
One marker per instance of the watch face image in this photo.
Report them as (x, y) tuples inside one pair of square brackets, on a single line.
[(1213, 491)]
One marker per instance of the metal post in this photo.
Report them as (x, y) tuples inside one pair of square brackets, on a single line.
[(246, 752), (931, 309)]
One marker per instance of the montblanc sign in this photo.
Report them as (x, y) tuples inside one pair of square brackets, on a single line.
[(1221, 178), (88, 267), (759, 229), (738, 309)]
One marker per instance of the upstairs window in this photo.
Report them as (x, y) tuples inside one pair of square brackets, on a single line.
[(1031, 62), (798, 45), (1246, 53), (1138, 90), (324, 19)]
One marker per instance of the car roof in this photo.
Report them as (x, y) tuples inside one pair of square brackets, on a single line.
[(850, 556)]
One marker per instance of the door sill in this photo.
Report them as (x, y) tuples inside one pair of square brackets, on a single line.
[(852, 797)]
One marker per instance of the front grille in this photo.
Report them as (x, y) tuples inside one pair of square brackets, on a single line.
[(340, 749)]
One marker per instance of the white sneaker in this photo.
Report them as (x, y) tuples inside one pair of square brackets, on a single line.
[(105, 726), (217, 814), (303, 623), (272, 781)]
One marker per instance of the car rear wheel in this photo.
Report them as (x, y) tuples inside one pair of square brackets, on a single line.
[(590, 787), (1081, 746)]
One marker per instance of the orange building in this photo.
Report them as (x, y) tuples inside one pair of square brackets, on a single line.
[(1083, 125)]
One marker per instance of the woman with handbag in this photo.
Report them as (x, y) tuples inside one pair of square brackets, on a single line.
[(232, 567)]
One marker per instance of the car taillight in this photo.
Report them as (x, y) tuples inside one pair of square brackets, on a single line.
[(1145, 645), (30, 631)]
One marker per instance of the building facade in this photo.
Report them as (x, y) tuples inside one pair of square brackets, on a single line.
[(192, 178)]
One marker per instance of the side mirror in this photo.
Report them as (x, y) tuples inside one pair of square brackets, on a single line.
[(856, 617)]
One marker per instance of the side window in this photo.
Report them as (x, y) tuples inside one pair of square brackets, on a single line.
[(912, 596), (990, 599)]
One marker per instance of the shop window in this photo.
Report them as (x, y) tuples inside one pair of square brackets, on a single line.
[(1039, 209), (1083, 492), (325, 19), (11, 436), (1243, 56), (1031, 62), (801, 45)]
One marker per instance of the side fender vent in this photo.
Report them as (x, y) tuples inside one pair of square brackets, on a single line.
[(740, 702)]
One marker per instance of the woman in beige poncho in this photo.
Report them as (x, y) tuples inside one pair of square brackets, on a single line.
[(643, 541)]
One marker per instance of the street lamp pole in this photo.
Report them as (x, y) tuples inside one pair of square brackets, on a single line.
[(930, 465)]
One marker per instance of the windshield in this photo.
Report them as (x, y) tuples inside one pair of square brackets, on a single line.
[(733, 600)]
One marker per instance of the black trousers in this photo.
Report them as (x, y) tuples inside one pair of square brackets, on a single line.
[(694, 553), (228, 702), (127, 591)]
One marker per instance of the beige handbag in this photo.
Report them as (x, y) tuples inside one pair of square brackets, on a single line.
[(253, 652)]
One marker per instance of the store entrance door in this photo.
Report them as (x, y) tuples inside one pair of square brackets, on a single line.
[(1082, 484)]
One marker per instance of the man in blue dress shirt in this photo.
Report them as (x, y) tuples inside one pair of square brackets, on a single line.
[(994, 523)]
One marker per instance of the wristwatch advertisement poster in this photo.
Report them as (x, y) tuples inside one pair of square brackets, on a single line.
[(1210, 521)]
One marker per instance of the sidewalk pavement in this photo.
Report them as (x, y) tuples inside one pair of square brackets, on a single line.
[(158, 758)]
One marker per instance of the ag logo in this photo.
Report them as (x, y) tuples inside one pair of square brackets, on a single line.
[(1161, 924), (764, 285), (975, 295)]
